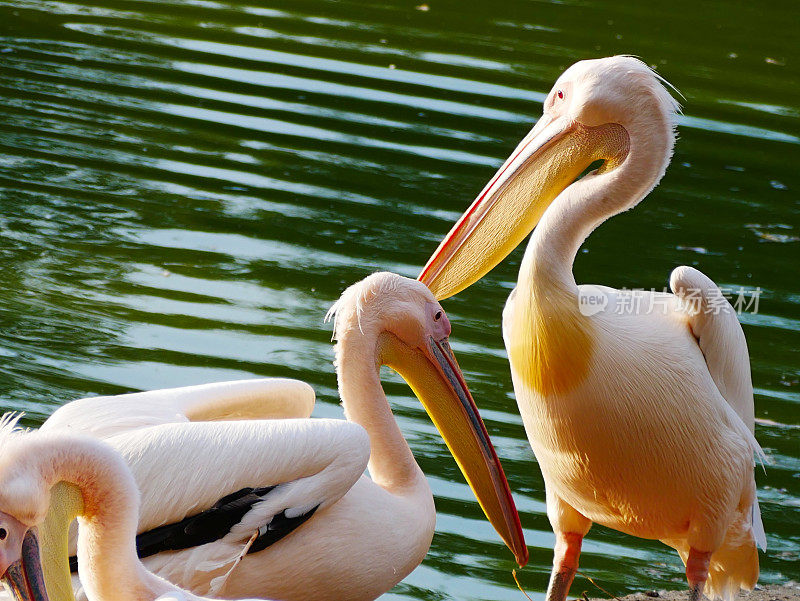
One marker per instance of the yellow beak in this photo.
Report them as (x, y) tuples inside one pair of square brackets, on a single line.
[(551, 157), (435, 377), (66, 503)]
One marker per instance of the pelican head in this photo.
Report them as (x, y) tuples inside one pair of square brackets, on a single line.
[(613, 111), (25, 501), (43, 479), (405, 327)]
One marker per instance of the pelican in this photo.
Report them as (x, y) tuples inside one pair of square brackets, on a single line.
[(219, 498), (92, 482), (639, 412)]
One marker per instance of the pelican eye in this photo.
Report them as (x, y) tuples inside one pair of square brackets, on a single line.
[(3, 533), (438, 316)]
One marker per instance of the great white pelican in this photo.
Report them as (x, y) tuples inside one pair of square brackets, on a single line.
[(639, 412), (279, 507)]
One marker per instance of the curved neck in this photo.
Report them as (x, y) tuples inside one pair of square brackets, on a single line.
[(107, 561), (391, 463), (585, 204)]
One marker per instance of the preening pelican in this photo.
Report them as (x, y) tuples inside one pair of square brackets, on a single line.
[(92, 482), (640, 414), (217, 495)]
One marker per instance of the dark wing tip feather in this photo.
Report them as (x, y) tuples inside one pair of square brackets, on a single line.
[(213, 524)]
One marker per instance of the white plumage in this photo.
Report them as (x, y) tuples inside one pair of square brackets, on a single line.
[(183, 467)]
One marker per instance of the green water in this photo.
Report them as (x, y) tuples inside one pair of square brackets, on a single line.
[(186, 186)]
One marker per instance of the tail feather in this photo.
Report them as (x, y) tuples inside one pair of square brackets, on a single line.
[(758, 527), (732, 569), (734, 565)]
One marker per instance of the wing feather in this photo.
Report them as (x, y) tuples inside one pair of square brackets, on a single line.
[(265, 398), (295, 466), (715, 325), (719, 334)]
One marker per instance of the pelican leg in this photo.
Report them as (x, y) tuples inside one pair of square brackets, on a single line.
[(697, 572), (565, 564)]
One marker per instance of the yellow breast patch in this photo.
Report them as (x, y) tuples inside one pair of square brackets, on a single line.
[(550, 342)]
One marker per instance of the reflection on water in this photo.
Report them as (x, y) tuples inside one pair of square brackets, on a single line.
[(186, 186)]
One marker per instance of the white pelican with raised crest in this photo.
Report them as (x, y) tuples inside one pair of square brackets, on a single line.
[(279, 507), (641, 420)]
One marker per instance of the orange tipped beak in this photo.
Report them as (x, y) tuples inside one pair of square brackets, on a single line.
[(436, 379), (553, 154), (465, 434)]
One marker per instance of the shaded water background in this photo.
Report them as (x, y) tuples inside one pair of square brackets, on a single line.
[(186, 186)]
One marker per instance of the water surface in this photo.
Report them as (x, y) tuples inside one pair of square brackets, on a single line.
[(186, 187)]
